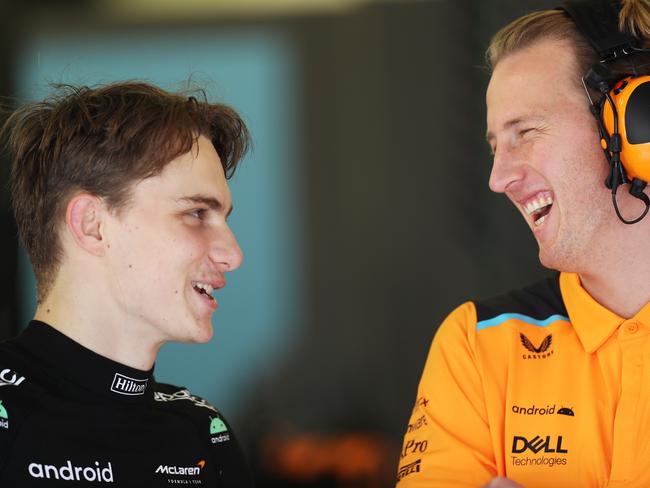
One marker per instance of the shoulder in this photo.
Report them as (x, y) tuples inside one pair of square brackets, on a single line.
[(21, 394), (212, 426), (537, 302), (19, 373), (520, 318), (206, 417), (179, 397)]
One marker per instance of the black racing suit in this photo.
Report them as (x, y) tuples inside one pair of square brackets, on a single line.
[(70, 417)]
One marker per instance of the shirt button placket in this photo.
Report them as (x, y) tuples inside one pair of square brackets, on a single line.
[(631, 328), (626, 423)]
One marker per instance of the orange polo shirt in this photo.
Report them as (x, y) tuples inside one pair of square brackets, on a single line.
[(544, 386)]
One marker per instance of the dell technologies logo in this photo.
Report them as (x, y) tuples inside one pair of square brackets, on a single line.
[(547, 451), (520, 444), (128, 386)]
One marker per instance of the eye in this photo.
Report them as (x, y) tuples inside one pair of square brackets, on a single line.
[(523, 135), (533, 131), (197, 213)]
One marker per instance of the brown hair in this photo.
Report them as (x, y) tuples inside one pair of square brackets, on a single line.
[(555, 24), (102, 140)]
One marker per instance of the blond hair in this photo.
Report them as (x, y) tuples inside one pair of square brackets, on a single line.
[(523, 32), (635, 18)]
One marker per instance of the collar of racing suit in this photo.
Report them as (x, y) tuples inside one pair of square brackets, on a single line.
[(71, 364)]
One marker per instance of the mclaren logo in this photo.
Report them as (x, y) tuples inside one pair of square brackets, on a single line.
[(542, 351), (182, 470)]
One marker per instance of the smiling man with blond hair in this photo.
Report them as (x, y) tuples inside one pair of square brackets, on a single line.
[(547, 385)]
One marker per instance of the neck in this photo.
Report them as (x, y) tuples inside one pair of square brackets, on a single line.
[(619, 279), (82, 316)]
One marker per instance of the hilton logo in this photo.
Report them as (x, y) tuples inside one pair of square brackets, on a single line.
[(128, 386)]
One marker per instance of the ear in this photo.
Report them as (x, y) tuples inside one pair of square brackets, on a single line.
[(84, 219)]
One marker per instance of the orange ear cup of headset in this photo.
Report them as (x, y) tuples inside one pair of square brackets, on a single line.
[(632, 99)]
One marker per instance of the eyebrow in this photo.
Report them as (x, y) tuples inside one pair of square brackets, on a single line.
[(211, 202)]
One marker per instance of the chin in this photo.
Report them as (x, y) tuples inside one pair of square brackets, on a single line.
[(547, 261), (203, 333), (195, 332), (558, 261), (548, 256), (549, 264)]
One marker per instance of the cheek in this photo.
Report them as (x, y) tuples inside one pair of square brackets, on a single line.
[(191, 243), (162, 255), (140, 255), (575, 159), (583, 143), (588, 168)]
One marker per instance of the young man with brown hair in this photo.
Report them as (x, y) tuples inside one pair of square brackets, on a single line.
[(547, 385), (121, 201)]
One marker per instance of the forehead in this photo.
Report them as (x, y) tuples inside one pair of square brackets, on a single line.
[(198, 171), (541, 78)]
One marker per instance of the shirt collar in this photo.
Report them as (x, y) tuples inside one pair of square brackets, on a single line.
[(593, 322), (72, 362)]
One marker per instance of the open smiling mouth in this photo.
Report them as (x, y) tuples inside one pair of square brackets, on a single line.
[(203, 289), (538, 209)]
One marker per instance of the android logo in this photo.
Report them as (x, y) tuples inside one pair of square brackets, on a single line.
[(3, 411), (217, 426)]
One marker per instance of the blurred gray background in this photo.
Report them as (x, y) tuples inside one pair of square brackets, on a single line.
[(363, 210)]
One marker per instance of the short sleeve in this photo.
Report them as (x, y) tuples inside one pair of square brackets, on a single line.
[(447, 441)]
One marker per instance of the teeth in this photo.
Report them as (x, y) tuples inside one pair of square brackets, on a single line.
[(539, 221), (534, 205), (203, 286)]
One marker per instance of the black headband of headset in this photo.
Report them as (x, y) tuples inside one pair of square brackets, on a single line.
[(597, 20)]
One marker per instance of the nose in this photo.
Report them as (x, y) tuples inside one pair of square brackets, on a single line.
[(507, 170), (225, 251)]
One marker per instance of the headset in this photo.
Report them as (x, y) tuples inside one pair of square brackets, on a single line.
[(623, 109)]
